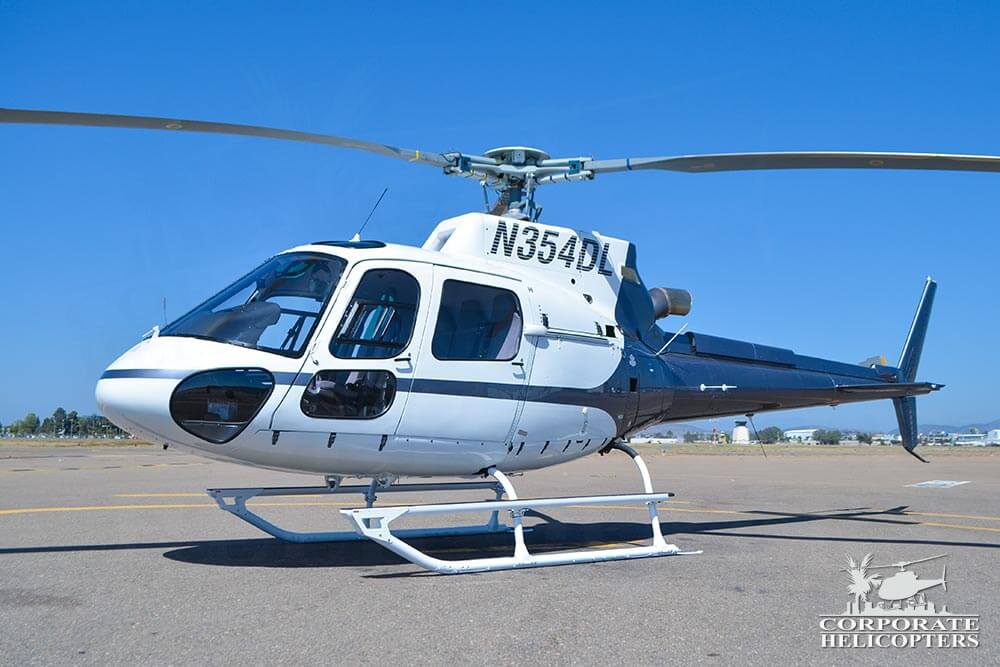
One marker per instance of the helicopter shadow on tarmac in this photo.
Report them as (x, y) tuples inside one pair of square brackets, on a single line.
[(548, 535)]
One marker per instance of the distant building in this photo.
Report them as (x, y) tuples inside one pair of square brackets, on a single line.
[(741, 434), (967, 439), (653, 440), (993, 437), (800, 435), (935, 438)]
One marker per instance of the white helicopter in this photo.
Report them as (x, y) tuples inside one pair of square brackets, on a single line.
[(501, 345), (904, 585)]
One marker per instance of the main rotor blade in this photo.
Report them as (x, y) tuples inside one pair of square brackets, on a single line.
[(921, 560), (696, 164), (27, 116), (903, 564)]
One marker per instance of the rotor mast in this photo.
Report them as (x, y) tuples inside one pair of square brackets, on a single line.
[(515, 172)]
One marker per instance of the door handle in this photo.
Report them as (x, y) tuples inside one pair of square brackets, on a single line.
[(517, 363), (408, 359)]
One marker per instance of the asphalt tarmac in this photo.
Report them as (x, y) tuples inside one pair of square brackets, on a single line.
[(116, 556)]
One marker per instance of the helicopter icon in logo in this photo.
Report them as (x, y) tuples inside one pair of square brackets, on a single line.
[(903, 591)]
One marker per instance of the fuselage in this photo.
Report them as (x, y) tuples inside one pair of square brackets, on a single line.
[(905, 585), (499, 343)]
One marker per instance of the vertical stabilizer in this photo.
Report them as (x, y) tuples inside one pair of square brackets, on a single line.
[(906, 408), (906, 417), (910, 357)]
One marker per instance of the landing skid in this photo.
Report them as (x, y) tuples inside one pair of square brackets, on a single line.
[(234, 501), (373, 522)]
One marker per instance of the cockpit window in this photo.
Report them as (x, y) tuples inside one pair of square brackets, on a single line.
[(274, 308)]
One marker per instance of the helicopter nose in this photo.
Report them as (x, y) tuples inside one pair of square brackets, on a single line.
[(139, 405), (134, 391), (159, 390)]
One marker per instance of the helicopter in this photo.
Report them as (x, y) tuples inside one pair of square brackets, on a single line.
[(905, 585), (499, 346)]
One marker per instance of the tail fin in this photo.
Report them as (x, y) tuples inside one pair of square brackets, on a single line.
[(906, 407), (906, 416), (910, 357)]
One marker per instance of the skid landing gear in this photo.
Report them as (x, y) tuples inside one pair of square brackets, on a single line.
[(373, 522), (234, 501)]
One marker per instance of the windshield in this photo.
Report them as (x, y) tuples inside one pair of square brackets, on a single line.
[(274, 308)]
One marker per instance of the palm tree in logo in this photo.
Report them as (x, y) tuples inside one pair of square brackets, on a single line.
[(861, 582)]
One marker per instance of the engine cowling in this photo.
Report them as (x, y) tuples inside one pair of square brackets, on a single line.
[(670, 301)]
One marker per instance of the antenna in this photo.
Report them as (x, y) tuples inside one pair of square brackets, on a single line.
[(760, 442), (679, 332), (164, 310), (357, 237)]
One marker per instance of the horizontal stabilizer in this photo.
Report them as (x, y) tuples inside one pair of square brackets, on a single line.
[(890, 389)]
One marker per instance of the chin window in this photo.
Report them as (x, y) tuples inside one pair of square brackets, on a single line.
[(217, 405)]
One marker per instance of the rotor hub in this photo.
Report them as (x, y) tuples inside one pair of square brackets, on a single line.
[(517, 155)]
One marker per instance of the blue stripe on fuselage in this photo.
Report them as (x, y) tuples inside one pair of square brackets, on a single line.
[(179, 374), (466, 388)]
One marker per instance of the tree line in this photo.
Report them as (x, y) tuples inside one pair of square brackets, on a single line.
[(62, 424)]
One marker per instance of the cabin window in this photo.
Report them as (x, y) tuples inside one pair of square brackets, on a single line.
[(378, 323), (477, 323), (349, 394)]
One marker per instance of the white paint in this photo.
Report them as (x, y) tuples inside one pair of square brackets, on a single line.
[(564, 346), (938, 484)]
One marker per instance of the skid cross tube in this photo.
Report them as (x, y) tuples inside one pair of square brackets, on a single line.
[(374, 523), (234, 501)]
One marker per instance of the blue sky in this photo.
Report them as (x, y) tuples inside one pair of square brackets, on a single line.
[(99, 225)]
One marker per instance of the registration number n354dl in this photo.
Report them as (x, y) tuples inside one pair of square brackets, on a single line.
[(529, 243)]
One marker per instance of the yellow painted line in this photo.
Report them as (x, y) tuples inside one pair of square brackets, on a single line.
[(959, 526), (174, 506), (202, 495), (22, 471), (96, 508), (661, 508), (819, 516), (164, 506), (163, 495), (695, 510), (954, 516)]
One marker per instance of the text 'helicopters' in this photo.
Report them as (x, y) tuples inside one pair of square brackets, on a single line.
[(500, 345)]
